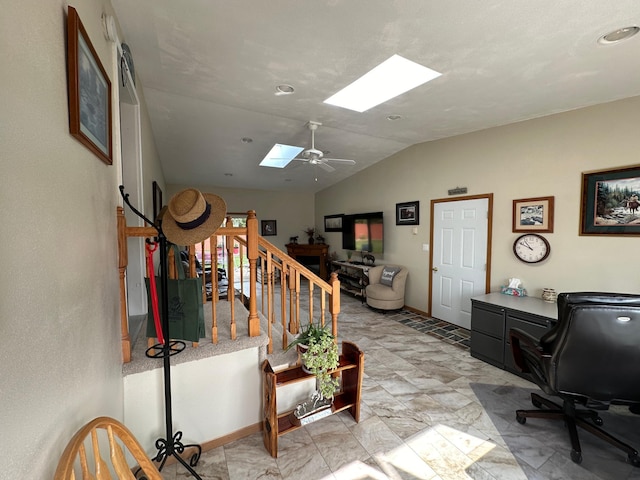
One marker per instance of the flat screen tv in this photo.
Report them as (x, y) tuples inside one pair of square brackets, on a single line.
[(363, 232)]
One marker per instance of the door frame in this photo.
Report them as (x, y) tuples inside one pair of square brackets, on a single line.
[(489, 197)]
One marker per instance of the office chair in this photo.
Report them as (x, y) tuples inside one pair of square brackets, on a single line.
[(591, 358)]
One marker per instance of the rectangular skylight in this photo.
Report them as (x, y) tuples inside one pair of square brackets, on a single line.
[(280, 155), (391, 78)]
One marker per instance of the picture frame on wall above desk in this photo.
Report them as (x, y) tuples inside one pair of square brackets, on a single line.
[(611, 202), (268, 228), (533, 215)]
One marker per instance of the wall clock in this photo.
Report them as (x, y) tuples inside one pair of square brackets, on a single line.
[(531, 248)]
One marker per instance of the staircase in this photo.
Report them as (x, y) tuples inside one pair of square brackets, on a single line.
[(216, 382)]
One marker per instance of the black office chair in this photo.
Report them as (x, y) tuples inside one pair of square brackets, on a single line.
[(591, 357)]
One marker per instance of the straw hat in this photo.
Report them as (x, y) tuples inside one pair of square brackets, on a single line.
[(192, 216)]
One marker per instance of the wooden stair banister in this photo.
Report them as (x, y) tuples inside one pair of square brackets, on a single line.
[(274, 263)]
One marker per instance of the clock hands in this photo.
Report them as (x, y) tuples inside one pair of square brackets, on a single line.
[(525, 244)]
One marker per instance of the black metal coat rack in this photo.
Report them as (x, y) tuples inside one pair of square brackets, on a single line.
[(171, 445)]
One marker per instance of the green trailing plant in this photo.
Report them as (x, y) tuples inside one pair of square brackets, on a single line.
[(320, 357)]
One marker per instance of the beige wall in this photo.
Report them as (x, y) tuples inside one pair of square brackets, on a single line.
[(292, 211), (540, 157), (59, 295)]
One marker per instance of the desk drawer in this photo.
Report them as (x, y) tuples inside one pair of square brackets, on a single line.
[(487, 320), (487, 348), (530, 325)]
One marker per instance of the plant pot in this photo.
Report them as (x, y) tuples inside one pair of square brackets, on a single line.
[(311, 240)]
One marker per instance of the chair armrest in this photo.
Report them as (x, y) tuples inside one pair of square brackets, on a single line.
[(523, 344)]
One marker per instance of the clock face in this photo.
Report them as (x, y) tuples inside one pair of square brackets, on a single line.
[(531, 248)]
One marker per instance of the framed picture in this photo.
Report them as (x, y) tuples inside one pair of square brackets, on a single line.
[(268, 228), (610, 202), (333, 223), (533, 215), (157, 200), (89, 92), (408, 213)]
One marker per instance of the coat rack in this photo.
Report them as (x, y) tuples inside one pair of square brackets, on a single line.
[(172, 444)]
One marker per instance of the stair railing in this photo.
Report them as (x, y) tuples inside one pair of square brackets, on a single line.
[(277, 269)]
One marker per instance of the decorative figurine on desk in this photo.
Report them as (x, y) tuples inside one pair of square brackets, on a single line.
[(293, 239), (368, 259)]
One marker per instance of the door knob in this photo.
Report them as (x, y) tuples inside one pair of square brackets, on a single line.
[(435, 269)]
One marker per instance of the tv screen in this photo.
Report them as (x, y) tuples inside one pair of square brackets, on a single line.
[(363, 232)]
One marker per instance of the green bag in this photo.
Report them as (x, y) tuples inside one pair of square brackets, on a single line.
[(186, 314)]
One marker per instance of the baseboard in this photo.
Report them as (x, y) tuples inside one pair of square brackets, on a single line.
[(415, 310)]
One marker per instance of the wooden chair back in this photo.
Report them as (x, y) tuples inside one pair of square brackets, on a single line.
[(99, 450)]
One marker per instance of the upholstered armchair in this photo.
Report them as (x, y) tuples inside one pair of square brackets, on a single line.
[(386, 287), (590, 358)]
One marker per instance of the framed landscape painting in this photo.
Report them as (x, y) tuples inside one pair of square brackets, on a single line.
[(89, 92), (611, 202), (533, 215), (333, 223)]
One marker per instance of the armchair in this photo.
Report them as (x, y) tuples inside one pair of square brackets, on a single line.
[(591, 358), (382, 293)]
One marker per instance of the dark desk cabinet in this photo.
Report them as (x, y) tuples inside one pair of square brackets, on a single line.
[(494, 314)]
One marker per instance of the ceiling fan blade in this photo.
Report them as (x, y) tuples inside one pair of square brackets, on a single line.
[(341, 160), (326, 166)]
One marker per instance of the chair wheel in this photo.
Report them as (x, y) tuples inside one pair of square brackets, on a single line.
[(598, 421), (634, 460), (521, 419), (576, 456)]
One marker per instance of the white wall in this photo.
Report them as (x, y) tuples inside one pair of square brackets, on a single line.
[(205, 395), (59, 290), (536, 158), (292, 211)]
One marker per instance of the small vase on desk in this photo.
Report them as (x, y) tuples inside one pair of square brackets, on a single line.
[(549, 295)]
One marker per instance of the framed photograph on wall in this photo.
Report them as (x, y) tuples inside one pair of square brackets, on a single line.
[(533, 215), (268, 228), (408, 213), (89, 92), (157, 200), (333, 223), (611, 202)]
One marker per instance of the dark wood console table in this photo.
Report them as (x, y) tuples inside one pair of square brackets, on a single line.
[(306, 253)]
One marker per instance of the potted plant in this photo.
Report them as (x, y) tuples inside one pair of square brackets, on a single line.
[(310, 231), (319, 356)]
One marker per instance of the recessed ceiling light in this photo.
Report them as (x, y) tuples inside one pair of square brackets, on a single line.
[(247, 140), (284, 89), (618, 35), (394, 117), (280, 155), (391, 78), (228, 174)]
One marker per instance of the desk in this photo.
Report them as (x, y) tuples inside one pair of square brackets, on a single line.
[(494, 314), (306, 253)]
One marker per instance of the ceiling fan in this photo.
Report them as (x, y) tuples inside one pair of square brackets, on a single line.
[(313, 156)]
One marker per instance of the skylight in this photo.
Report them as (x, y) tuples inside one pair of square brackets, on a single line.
[(280, 155), (391, 78)]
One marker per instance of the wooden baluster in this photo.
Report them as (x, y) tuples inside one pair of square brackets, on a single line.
[(213, 252), (123, 259), (269, 300), (252, 253), (283, 305), (231, 283), (334, 303), (311, 288)]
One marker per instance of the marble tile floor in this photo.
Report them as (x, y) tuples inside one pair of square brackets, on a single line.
[(429, 411)]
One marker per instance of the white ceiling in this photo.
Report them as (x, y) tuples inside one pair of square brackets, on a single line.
[(209, 69)]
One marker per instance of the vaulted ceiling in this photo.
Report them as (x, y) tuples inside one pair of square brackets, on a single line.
[(209, 71)]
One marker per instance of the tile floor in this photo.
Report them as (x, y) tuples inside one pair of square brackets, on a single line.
[(429, 411)]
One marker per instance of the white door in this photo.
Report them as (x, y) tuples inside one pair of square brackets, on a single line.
[(459, 257)]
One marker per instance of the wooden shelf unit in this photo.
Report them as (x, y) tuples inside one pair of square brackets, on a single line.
[(350, 368), (353, 277)]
